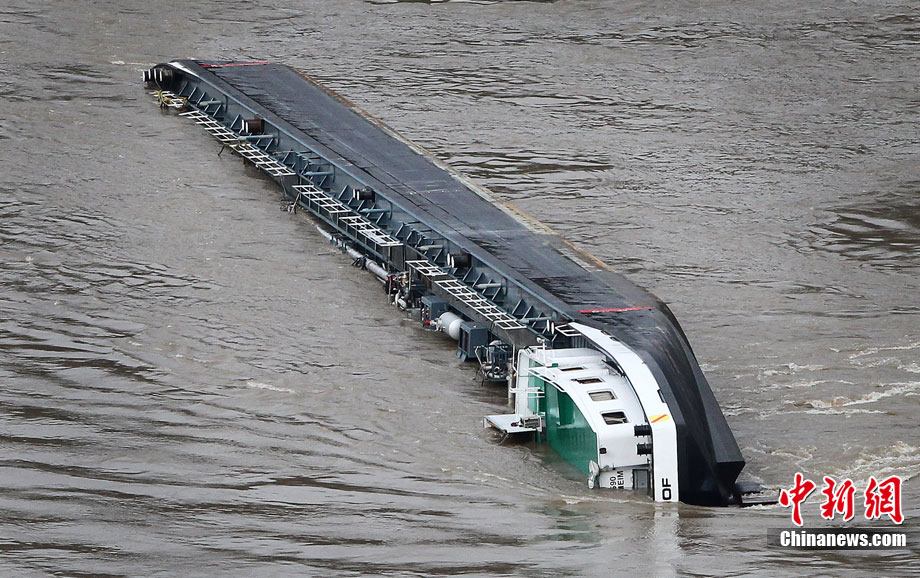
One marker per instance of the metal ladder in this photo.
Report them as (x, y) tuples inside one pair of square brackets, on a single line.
[(457, 289), (217, 130), (262, 160), (479, 304), (364, 228), (335, 209), (253, 154), (426, 269), (321, 201)]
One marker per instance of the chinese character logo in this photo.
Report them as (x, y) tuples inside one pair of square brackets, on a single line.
[(796, 496), (839, 501), (884, 498), (881, 498)]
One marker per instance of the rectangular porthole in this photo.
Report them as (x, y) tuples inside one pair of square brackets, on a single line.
[(576, 368), (603, 395), (588, 380), (614, 417)]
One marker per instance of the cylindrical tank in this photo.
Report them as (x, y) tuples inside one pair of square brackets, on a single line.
[(449, 323)]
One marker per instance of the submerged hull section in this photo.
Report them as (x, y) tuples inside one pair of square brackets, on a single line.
[(431, 234)]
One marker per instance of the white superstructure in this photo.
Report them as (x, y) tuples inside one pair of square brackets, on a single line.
[(601, 409)]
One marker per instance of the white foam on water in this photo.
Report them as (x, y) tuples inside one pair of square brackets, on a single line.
[(844, 411), (874, 350), (791, 368), (807, 383), (898, 459), (882, 392), (797, 456), (735, 411), (268, 386), (877, 362), (199, 360), (911, 367)]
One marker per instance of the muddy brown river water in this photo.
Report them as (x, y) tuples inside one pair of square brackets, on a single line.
[(196, 384)]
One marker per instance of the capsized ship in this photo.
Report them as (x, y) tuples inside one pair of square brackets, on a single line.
[(596, 366)]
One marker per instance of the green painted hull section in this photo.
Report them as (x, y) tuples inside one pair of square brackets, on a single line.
[(567, 430)]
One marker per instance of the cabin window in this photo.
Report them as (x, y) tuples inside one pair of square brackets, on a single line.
[(603, 395), (589, 380), (576, 368), (614, 417)]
